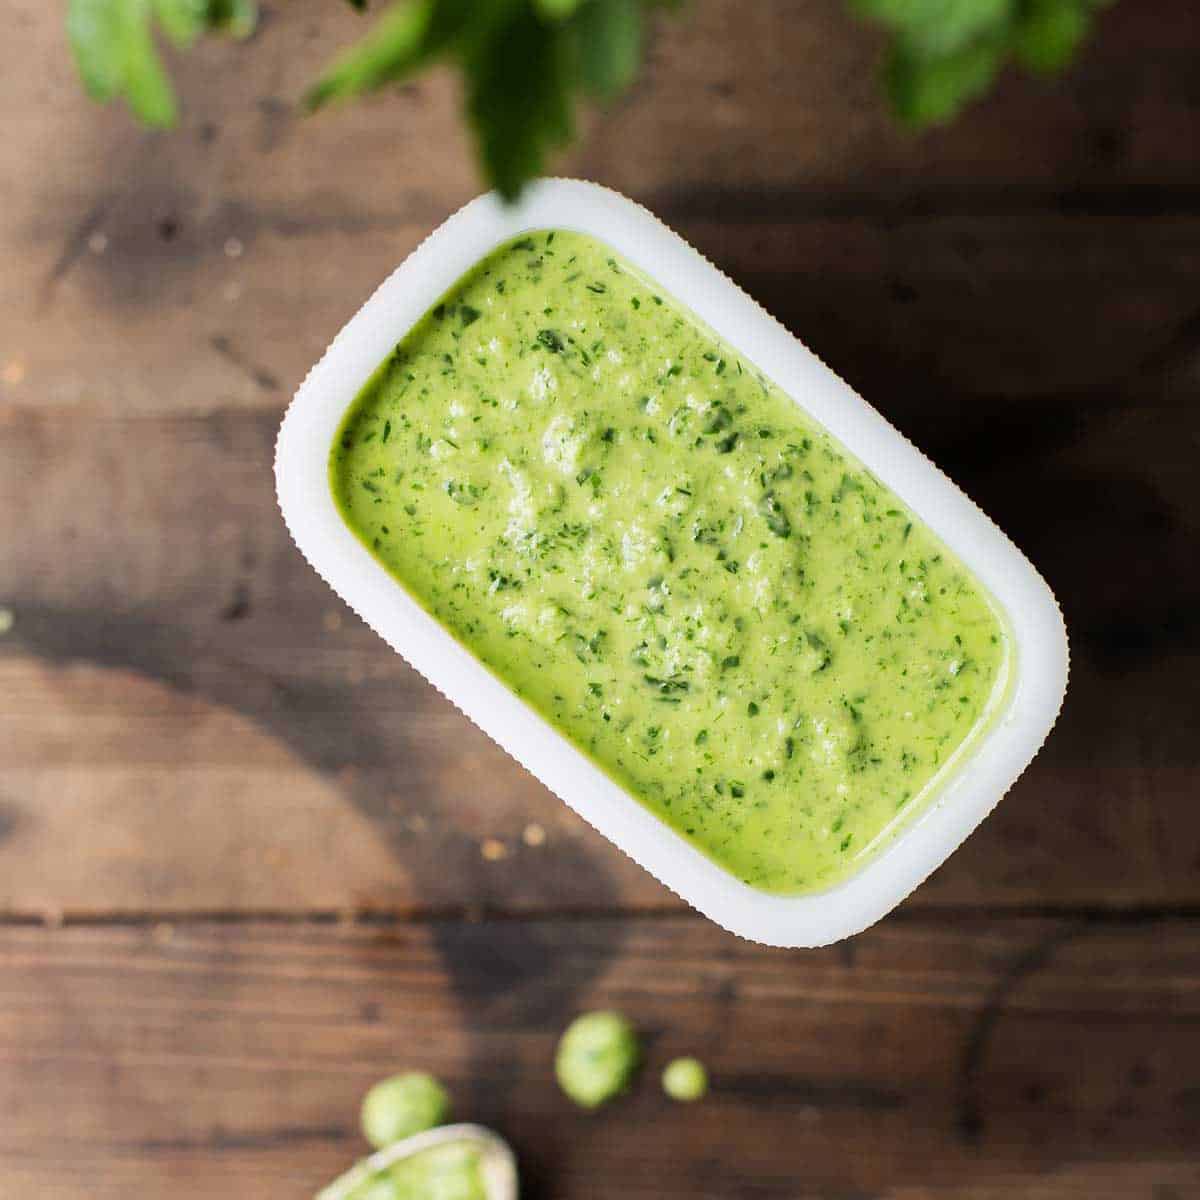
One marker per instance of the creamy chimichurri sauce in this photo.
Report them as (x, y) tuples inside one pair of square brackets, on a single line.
[(654, 546)]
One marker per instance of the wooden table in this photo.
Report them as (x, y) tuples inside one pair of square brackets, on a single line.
[(249, 862)]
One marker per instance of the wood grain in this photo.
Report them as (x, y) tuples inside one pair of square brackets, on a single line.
[(208, 267), (192, 718), (207, 766), (951, 1060)]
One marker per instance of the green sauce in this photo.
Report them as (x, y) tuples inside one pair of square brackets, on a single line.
[(654, 546)]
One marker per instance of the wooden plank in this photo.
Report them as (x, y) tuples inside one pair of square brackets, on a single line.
[(786, 94), (209, 266), (190, 723), (781, 94), (194, 723), (918, 312), (927, 1059)]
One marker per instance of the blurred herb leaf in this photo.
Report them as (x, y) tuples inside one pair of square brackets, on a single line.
[(946, 53), (400, 43), (527, 64), (519, 100), (1050, 32), (609, 45), (113, 44), (926, 89), (524, 63), (556, 10), (935, 27), (237, 18), (183, 21)]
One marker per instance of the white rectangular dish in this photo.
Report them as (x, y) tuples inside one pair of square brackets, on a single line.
[(1033, 622)]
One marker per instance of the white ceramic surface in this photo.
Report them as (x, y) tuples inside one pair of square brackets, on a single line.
[(986, 771)]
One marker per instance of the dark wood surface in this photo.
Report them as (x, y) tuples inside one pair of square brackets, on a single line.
[(249, 861), (969, 1057)]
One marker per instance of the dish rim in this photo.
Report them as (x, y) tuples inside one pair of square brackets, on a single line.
[(1039, 655)]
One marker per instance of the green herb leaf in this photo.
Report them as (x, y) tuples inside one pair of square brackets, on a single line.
[(526, 62), (518, 99), (183, 21), (116, 56), (938, 27), (928, 91), (237, 18), (609, 38), (398, 45), (556, 10), (775, 516), (522, 60), (146, 86), (113, 45), (1050, 33), (96, 30), (946, 53), (407, 39)]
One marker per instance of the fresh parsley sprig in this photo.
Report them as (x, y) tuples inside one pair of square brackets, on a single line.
[(113, 44), (947, 53), (526, 65)]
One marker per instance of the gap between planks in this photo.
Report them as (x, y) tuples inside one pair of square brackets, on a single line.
[(917, 914)]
